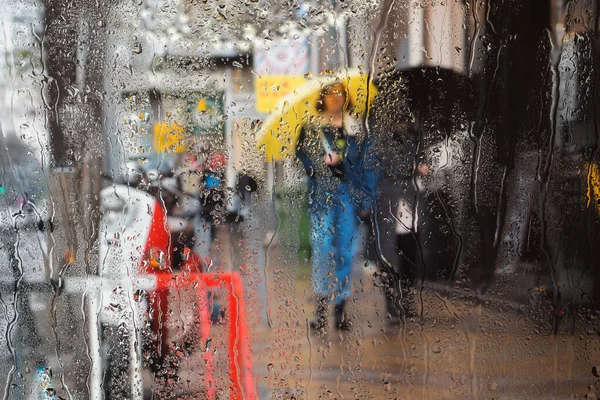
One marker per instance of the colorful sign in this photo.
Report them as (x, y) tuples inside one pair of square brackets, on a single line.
[(206, 115), (168, 138), (282, 57), (280, 65)]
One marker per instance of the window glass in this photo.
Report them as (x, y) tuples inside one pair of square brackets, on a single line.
[(299, 199)]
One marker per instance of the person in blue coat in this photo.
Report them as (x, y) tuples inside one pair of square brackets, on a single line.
[(327, 147)]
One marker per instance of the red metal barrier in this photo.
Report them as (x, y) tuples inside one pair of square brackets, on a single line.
[(240, 359)]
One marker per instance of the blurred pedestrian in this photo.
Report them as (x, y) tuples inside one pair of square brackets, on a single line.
[(212, 192), (397, 204), (327, 149), (406, 222), (186, 210)]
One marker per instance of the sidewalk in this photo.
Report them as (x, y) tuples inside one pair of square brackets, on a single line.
[(511, 355)]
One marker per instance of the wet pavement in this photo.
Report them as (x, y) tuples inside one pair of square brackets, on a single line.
[(457, 350), (499, 349)]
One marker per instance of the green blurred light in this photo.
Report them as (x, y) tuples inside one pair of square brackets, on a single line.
[(2, 189)]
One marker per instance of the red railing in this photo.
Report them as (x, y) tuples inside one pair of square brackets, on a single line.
[(240, 358)]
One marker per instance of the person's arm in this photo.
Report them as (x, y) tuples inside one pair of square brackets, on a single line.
[(364, 161), (302, 153)]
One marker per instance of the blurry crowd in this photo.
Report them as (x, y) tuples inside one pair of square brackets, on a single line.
[(191, 187)]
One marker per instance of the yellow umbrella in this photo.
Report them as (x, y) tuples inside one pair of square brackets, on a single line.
[(279, 133)]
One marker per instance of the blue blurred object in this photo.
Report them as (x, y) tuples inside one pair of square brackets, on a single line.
[(44, 378), (211, 181)]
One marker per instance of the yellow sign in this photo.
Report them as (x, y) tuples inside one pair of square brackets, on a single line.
[(270, 89), (168, 138), (593, 192), (201, 105)]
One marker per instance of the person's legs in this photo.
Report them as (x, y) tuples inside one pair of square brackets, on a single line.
[(321, 240), (398, 287), (345, 229)]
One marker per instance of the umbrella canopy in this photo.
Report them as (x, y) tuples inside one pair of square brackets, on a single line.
[(437, 99), (279, 133), (426, 90)]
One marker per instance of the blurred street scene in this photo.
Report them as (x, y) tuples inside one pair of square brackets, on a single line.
[(299, 199)]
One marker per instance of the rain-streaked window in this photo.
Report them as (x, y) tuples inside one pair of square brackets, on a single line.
[(299, 199)]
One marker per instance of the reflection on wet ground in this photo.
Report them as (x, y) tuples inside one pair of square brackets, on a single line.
[(511, 355)]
